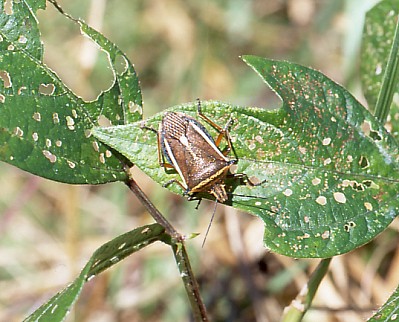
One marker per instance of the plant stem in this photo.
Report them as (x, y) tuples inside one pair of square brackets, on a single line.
[(302, 302), (190, 283), (154, 212), (179, 250)]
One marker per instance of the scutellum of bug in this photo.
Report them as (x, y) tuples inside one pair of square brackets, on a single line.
[(185, 146)]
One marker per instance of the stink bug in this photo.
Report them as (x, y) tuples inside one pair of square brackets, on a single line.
[(185, 146)]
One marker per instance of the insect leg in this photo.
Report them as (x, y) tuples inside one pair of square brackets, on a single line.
[(223, 132), (161, 158), (174, 181)]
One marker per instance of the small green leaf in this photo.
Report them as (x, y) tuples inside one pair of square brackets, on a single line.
[(104, 257), (328, 169), (389, 311), (44, 127), (377, 40)]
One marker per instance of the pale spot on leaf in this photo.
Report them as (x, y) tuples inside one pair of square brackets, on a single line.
[(37, 117), (8, 7), (325, 235), (70, 123), (368, 206), (71, 164), (21, 90), (259, 139), (287, 192), (339, 197), (51, 157), (302, 150), (316, 181), (22, 39), (102, 158), (96, 147), (145, 230), (18, 131), (56, 119), (321, 200), (133, 107), (35, 136), (326, 141)]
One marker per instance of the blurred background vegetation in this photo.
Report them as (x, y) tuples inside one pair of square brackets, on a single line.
[(182, 49)]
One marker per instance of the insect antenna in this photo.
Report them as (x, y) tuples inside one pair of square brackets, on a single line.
[(210, 223)]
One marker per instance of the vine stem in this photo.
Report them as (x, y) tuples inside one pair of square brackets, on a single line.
[(154, 212), (179, 251)]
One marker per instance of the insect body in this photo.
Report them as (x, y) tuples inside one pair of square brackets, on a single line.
[(194, 154)]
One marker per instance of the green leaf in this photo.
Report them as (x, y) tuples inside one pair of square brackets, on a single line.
[(19, 27), (378, 37), (104, 257), (45, 127), (328, 169), (389, 311)]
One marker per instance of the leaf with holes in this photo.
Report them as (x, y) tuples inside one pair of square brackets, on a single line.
[(103, 258), (389, 311), (325, 171), (44, 127)]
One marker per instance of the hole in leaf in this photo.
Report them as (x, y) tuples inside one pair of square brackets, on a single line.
[(348, 226), (46, 89), (103, 121), (375, 136), (6, 78), (364, 162), (370, 184), (357, 186)]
